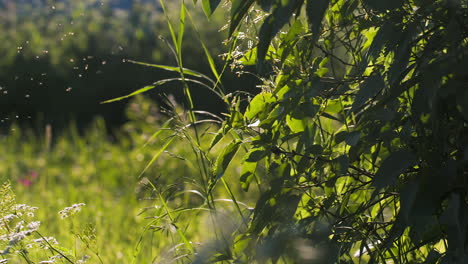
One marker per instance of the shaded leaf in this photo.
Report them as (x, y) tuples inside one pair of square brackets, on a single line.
[(392, 167), (353, 138), (256, 155), (315, 12), (367, 90)]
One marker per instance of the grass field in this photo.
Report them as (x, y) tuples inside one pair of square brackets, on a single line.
[(160, 215)]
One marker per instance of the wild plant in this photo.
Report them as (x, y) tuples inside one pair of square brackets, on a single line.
[(358, 128), (22, 242)]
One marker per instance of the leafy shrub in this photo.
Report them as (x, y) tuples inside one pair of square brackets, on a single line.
[(360, 128)]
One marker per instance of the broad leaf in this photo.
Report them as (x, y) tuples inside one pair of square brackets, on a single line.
[(315, 12), (225, 158), (368, 90), (247, 174), (392, 167)]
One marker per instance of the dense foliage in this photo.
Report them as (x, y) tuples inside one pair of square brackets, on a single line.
[(358, 141)]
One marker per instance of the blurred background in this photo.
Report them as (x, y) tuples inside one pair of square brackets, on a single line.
[(61, 59)]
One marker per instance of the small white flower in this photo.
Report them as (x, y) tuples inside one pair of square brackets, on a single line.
[(33, 226), (8, 218), (69, 211)]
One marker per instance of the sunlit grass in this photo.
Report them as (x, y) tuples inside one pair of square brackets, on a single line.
[(52, 172)]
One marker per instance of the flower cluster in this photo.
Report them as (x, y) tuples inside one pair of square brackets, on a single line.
[(18, 234), (24, 210), (70, 211)]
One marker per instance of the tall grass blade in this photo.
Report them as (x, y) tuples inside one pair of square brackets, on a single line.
[(205, 49), (171, 68), (155, 157)]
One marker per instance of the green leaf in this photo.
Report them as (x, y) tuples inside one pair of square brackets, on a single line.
[(315, 10), (250, 57), (273, 116), (218, 136), (209, 6), (247, 174), (353, 138), (367, 90), (452, 220), (156, 155), (205, 49), (168, 68), (142, 90), (223, 160), (281, 14), (256, 155), (288, 42), (239, 9), (296, 125), (258, 104), (392, 167)]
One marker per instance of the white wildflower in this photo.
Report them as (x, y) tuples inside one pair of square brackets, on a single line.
[(8, 218), (45, 242), (33, 226), (69, 211), (15, 238), (23, 209)]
